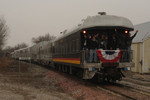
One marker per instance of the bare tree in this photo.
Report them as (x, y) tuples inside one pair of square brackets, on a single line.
[(21, 45), (10, 49), (3, 32), (46, 37)]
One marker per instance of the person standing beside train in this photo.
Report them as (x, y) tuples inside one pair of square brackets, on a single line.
[(93, 48), (129, 39)]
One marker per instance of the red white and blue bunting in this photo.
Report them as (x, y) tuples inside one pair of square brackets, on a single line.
[(109, 56)]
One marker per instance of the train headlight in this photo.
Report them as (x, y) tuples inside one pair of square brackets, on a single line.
[(84, 32), (126, 32)]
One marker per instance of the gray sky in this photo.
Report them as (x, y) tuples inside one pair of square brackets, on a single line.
[(31, 18)]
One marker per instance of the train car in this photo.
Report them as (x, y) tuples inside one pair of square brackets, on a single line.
[(37, 52), (69, 54), (22, 54), (45, 53)]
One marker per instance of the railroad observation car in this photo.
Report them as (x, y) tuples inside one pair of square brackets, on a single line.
[(70, 54)]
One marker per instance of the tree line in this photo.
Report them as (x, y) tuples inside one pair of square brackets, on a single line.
[(9, 49)]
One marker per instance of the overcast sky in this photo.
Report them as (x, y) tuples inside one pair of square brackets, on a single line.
[(31, 18)]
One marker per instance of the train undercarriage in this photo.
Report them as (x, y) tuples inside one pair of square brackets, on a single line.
[(101, 72), (104, 73)]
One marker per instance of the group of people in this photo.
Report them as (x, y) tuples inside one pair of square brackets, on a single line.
[(110, 41)]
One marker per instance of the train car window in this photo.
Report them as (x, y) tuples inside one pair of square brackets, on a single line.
[(69, 47), (63, 49), (77, 45), (56, 49), (53, 49), (66, 48), (73, 46), (59, 49)]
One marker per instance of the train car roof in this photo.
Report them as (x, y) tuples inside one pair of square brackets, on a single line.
[(21, 49), (40, 44), (106, 21), (99, 21)]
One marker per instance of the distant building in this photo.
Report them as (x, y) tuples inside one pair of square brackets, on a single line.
[(141, 48)]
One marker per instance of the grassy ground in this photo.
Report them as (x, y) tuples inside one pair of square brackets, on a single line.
[(26, 83)]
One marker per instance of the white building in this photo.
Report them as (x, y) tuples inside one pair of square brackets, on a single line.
[(141, 48)]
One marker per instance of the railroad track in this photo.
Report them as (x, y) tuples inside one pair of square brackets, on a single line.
[(141, 80), (126, 90), (135, 87), (116, 93), (138, 81)]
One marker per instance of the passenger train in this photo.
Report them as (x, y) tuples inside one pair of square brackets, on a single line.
[(67, 53)]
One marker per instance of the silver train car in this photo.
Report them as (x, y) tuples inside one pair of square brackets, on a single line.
[(68, 54)]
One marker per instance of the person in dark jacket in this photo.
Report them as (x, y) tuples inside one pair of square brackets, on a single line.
[(129, 39), (92, 49), (112, 42), (85, 42), (103, 42)]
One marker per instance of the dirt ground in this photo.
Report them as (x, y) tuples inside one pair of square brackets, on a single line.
[(23, 81)]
